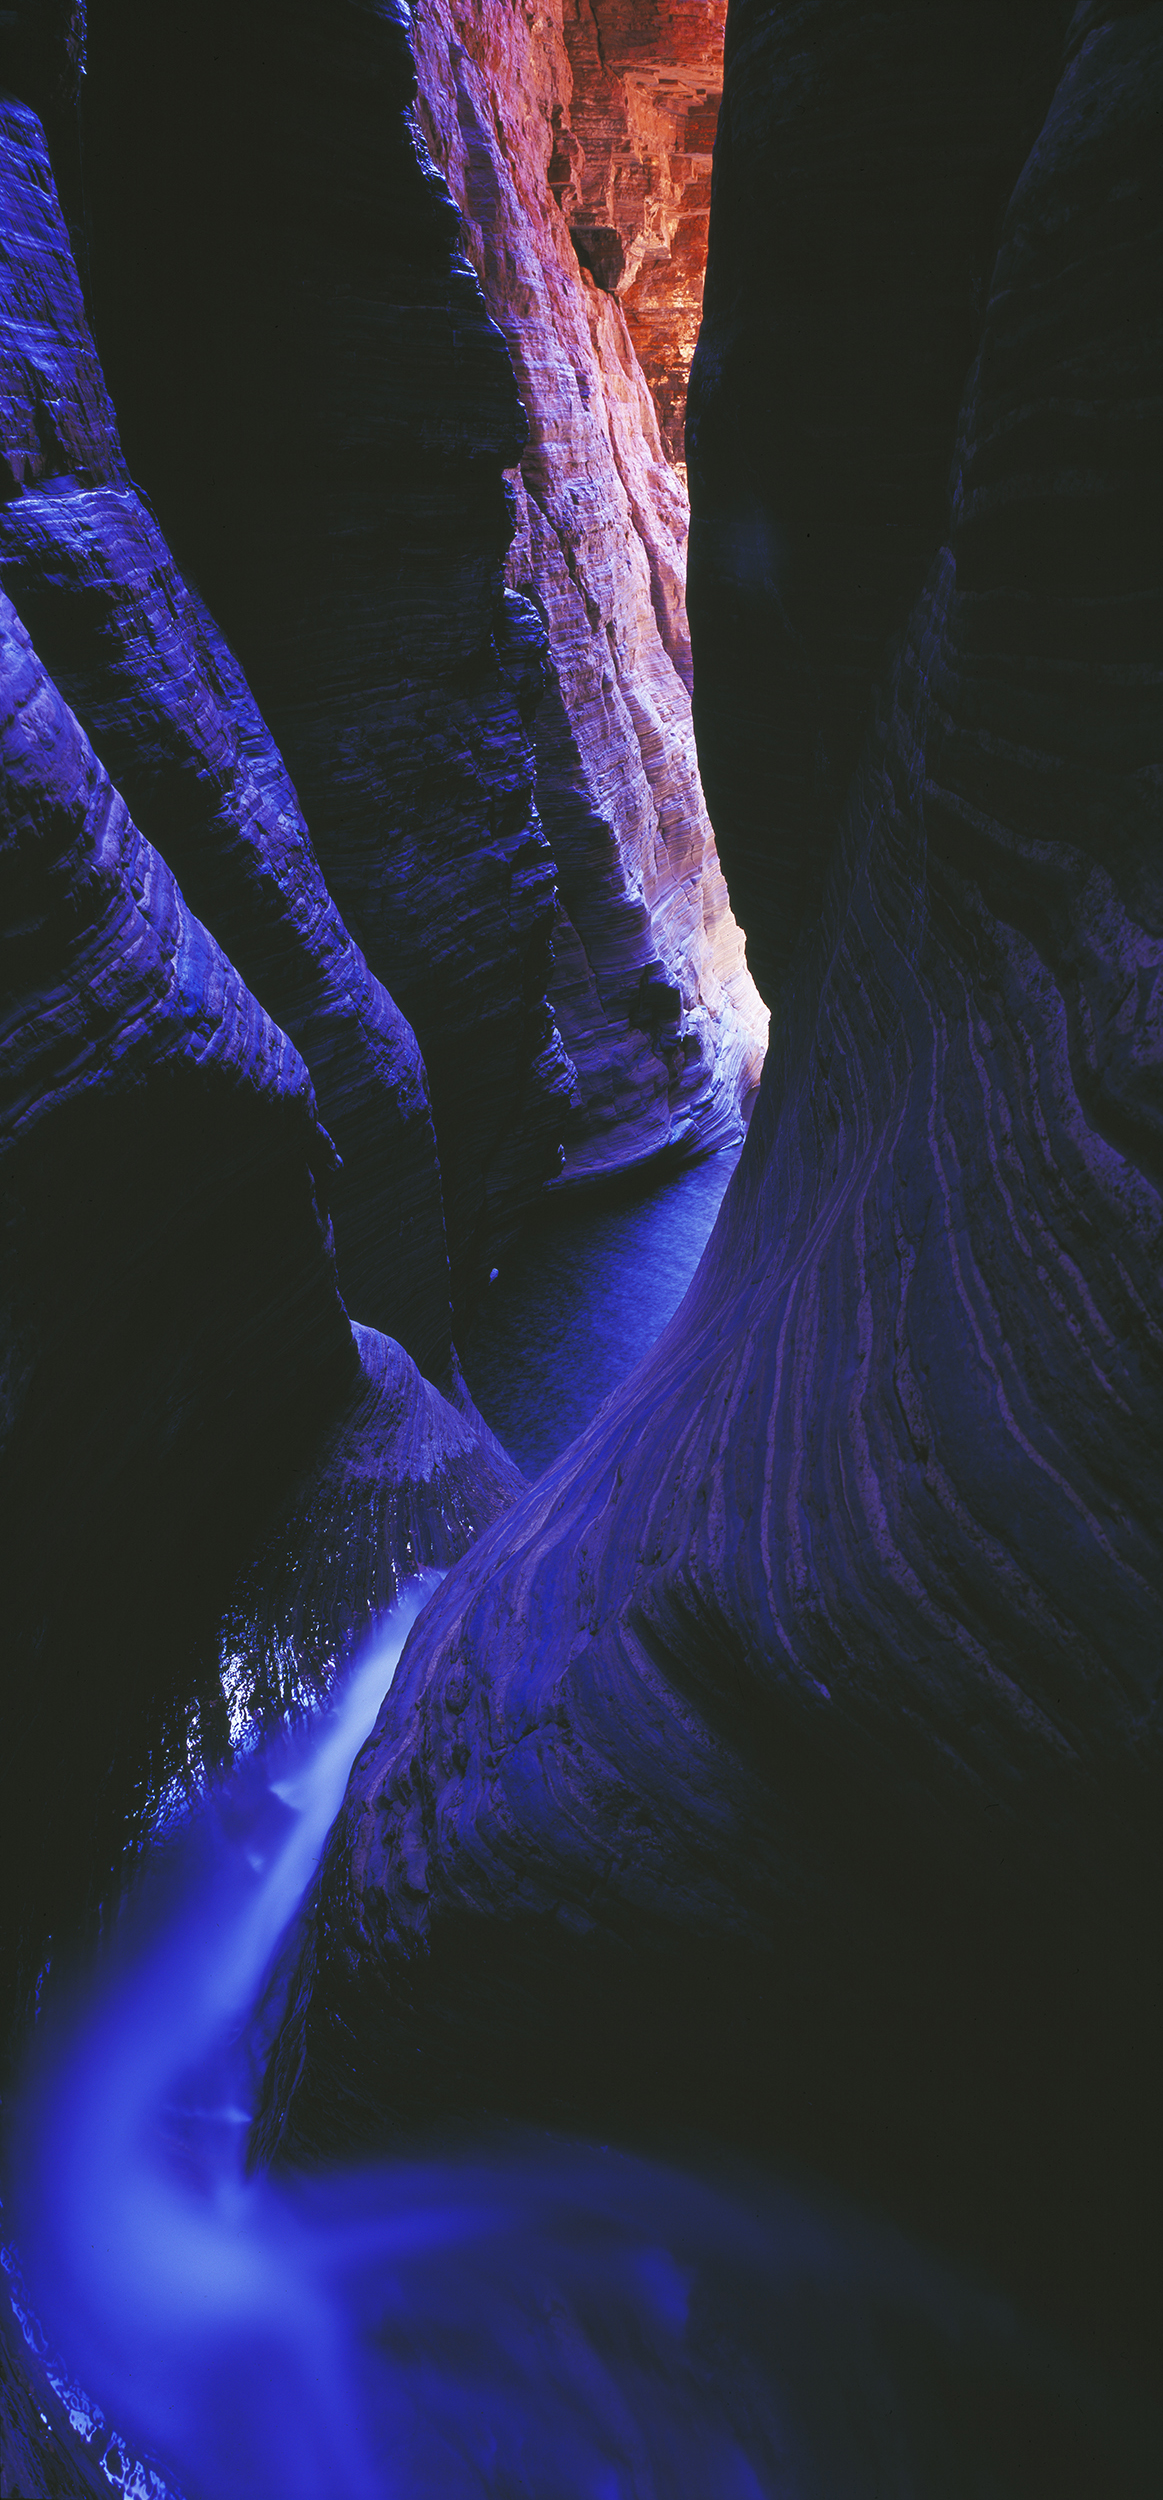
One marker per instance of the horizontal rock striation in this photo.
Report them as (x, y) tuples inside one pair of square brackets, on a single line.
[(789, 1760), (650, 987), (322, 412), (165, 704)]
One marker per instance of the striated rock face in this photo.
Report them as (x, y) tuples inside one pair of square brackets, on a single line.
[(650, 987), (176, 1351), (632, 172), (400, 1484), (843, 306), (322, 412), (789, 1760), (173, 1335), (148, 674)]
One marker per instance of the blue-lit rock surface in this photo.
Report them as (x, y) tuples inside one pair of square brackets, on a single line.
[(789, 1760), (175, 1337), (144, 668), (177, 1352), (311, 391)]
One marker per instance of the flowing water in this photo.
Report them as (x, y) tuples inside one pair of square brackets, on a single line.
[(519, 2316), (589, 1287)]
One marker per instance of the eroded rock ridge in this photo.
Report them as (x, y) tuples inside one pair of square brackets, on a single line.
[(789, 1760)]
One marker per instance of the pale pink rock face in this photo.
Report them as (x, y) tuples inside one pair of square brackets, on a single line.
[(651, 990)]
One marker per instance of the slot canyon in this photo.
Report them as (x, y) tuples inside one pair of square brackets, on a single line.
[(686, 1914)]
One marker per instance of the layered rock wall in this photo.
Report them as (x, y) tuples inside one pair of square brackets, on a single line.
[(790, 1760), (173, 1334), (179, 1366), (650, 986), (632, 172), (313, 395), (163, 700)]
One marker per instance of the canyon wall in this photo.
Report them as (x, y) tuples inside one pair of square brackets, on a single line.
[(322, 413), (143, 666), (183, 1391), (650, 987), (788, 1762), (632, 172), (843, 307)]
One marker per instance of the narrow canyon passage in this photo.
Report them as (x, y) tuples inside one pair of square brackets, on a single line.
[(493, 2311), (580, 1778)]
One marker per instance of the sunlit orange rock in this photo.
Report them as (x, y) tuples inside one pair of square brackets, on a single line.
[(647, 82), (651, 991)]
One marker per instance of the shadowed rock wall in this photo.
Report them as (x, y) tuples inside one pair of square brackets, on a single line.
[(146, 671), (311, 391), (173, 1334), (866, 156), (650, 986), (789, 1760)]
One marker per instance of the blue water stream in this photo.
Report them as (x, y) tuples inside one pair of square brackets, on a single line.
[(517, 2318), (581, 1300)]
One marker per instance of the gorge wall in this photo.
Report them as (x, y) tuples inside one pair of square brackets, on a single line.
[(650, 988), (632, 172), (328, 464), (788, 1761), (785, 1765)]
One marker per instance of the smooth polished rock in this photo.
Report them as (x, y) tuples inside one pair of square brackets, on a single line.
[(174, 1337), (863, 160), (650, 986), (313, 395), (166, 706), (788, 1763)]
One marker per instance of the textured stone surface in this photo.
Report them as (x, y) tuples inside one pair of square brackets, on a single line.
[(400, 1484), (650, 987), (789, 1760), (864, 159), (632, 171), (312, 393), (173, 1336), (166, 706)]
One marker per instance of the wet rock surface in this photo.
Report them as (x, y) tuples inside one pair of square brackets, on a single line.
[(174, 1334), (788, 1761), (398, 1486), (649, 986)]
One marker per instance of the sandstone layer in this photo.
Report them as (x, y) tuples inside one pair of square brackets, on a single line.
[(163, 700), (632, 172), (311, 391), (650, 987), (789, 1760)]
